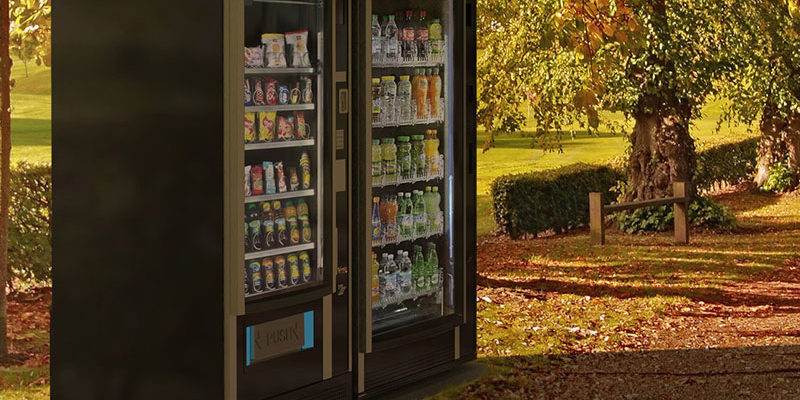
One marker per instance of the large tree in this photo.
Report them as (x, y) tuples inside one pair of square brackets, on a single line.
[(653, 60), (5, 166)]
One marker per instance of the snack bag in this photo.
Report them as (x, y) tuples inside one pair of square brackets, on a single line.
[(271, 91), (302, 126), (305, 166), (281, 177), (298, 44), (269, 177), (294, 268), (307, 92), (269, 274), (274, 50), (257, 177), (266, 126), (268, 225), (249, 127), (280, 267), (254, 57), (248, 93), (294, 181), (285, 128), (248, 191), (258, 93), (283, 94), (305, 266)]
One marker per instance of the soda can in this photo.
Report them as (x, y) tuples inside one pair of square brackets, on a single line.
[(305, 266), (254, 273), (294, 269), (267, 269), (280, 271)]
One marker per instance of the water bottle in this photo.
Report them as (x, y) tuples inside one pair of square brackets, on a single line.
[(390, 44), (377, 40), (389, 92), (391, 277), (404, 109)]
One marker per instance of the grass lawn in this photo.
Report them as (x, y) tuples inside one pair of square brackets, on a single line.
[(30, 114)]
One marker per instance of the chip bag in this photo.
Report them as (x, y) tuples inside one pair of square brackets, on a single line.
[(298, 44), (266, 126), (254, 57), (274, 49), (249, 127)]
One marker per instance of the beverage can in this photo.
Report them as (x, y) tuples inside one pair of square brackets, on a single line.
[(305, 266), (280, 271), (254, 270), (294, 269), (305, 165), (267, 269), (267, 225)]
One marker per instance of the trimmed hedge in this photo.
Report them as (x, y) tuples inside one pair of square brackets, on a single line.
[(30, 223), (555, 199), (725, 164)]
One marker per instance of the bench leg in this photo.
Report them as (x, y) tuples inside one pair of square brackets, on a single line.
[(597, 227), (681, 213)]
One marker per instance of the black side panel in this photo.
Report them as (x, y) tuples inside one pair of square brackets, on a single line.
[(138, 173), (468, 331)]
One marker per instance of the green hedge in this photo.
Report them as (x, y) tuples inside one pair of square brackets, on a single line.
[(553, 200), (726, 163), (30, 224)]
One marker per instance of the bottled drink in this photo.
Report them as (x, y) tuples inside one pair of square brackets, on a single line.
[(408, 37), (376, 100), (436, 39), (404, 277), (390, 219), (407, 218), (436, 203), (420, 217), (418, 270), (423, 46), (418, 155), (389, 155), (420, 89), (382, 278), (376, 282), (435, 93), (404, 157), (433, 266), (432, 152), (391, 277), (376, 221), (390, 43), (377, 162), (428, 198), (377, 40), (388, 95), (404, 111)]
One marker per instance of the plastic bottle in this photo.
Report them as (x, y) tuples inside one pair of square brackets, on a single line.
[(435, 93), (376, 221), (376, 100), (404, 276), (406, 218), (433, 266), (388, 95), (429, 208), (376, 282), (422, 37), (432, 153), (418, 270), (404, 157), (389, 156), (377, 40), (404, 109), (391, 277), (436, 39), (418, 156), (382, 278), (436, 209), (408, 36), (390, 43), (420, 217), (377, 162), (390, 223), (420, 92)]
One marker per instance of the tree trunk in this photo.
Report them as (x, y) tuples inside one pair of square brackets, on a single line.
[(5, 167), (793, 143), (771, 147), (662, 151)]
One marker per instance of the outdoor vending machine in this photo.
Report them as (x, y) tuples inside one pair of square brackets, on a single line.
[(262, 199)]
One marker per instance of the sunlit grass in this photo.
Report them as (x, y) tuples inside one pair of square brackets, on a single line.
[(31, 114)]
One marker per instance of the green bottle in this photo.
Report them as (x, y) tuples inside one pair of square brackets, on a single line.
[(432, 270), (418, 270), (420, 217)]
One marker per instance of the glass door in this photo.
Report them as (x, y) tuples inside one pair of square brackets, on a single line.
[(283, 133), (411, 268)]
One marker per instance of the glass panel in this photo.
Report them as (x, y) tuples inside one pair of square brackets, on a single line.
[(412, 163), (283, 146)]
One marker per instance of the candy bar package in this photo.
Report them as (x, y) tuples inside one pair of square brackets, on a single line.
[(283, 94), (257, 178), (249, 127), (298, 45), (274, 49), (266, 126), (281, 177), (307, 92), (248, 93), (254, 57), (248, 191), (269, 177), (258, 93), (271, 91), (286, 128), (294, 181)]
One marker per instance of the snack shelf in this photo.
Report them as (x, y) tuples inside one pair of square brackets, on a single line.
[(279, 145), (281, 290), (279, 251), (280, 107), (279, 196), (412, 295), (279, 71), (398, 241), (295, 2)]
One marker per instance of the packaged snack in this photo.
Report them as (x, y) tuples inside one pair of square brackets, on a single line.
[(248, 93), (249, 127), (305, 224), (268, 270), (305, 166), (294, 94), (303, 129), (305, 266), (254, 270), (254, 226), (274, 49), (254, 57), (283, 94), (257, 180), (248, 190), (298, 46), (281, 177), (258, 93), (247, 289), (286, 128), (294, 181), (280, 224), (291, 221), (269, 177), (247, 245), (280, 270), (266, 126), (308, 92), (271, 91), (268, 225), (294, 268)]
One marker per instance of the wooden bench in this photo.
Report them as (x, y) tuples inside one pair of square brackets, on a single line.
[(680, 200)]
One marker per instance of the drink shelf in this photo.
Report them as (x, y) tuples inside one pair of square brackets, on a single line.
[(413, 122), (280, 107), (399, 182), (411, 64), (279, 145), (412, 295), (279, 196), (279, 71), (400, 240), (279, 251), (281, 290)]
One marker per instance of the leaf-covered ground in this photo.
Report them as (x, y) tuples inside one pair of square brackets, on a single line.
[(642, 317), (26, 374)]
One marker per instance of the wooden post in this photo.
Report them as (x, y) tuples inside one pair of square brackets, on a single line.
[(597, 227), (681, 212)]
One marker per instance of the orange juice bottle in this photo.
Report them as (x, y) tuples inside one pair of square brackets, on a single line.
[(420, 87), (434, 92)]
